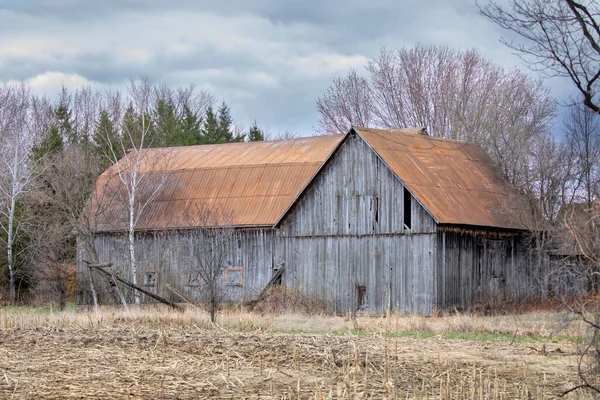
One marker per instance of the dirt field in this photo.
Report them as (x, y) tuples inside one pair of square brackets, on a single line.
[(115, 357)]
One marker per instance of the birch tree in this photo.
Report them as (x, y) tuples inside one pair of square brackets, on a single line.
[(17, 170), (139, 176)]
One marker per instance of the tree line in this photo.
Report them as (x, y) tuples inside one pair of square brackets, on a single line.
[(52, 151)]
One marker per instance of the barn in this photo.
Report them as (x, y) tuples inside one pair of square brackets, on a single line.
[(365, 221)]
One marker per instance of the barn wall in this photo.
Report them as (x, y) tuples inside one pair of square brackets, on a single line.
[(475, 267), (355, 194), (333, 268), (171, 255), (347, 230)]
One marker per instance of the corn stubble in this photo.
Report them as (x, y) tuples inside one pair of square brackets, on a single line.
[(155, 353)]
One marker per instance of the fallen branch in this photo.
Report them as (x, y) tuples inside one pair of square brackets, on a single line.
[(100, 267), (181, 295)]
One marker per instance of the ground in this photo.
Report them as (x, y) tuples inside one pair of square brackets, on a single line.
[(169, 356)]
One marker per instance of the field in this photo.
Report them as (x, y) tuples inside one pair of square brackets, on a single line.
[(161, 354)]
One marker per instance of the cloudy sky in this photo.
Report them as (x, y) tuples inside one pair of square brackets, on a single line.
[(268, 59)]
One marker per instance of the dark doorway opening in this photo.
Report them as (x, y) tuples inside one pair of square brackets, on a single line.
[(407, 209)]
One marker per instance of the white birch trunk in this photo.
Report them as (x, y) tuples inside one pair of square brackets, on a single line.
[(11, 222), (11, 268), (131, 236)]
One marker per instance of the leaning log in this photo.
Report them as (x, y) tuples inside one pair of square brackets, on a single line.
[(100, 268), (252, 303)]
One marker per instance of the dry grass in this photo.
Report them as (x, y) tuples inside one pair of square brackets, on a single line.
[(158, 353), (536, 325)]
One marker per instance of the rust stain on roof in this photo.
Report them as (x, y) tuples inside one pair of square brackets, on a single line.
[(234, 184), (456, 181)]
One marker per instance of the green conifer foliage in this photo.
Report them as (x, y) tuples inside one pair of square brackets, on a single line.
[(255, 134)]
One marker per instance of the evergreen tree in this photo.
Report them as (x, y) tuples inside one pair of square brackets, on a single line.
[(217, 127), (106, 138), (190, 127), (64, 122), (210, 129), (255, 134), (168, 127), (226, 125), (51, 143)]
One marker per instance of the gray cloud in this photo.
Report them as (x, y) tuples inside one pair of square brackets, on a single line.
[(268, 59)]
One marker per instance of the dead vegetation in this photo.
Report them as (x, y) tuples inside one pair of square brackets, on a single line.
[(160, 353)]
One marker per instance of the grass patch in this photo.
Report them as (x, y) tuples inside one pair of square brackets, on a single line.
[(474, 337)]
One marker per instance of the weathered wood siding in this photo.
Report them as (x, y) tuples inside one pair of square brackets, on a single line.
[(347, 230), (475, 267), (355, 194), (171, 255)]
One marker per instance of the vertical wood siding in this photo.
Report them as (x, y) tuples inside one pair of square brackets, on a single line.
[(170, 254), (472, 268), (355, 194), (347, 230)]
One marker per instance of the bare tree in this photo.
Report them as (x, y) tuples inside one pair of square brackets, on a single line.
[(559, 37), (348, 101), (17, 170), (86, 106), (455, 94), (285, 135), (211, 245), (584, 228), (582, 132)]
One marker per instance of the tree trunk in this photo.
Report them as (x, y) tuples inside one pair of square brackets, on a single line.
[(131, 238), (63, 298), (9, 244), (213, 311), (133, 263), (93, 255)]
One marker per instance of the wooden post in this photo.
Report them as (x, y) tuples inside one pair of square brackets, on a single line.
[(94, 295), (118, 292)]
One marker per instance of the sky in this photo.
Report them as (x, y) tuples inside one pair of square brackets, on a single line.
[(268, 60)]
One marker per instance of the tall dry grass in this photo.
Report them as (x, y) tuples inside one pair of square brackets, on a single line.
[(541, 324)]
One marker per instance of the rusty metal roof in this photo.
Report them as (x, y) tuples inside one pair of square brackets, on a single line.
[(234, 184), (456, 182)]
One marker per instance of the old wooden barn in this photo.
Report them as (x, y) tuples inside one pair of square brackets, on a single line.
[(365, 220)]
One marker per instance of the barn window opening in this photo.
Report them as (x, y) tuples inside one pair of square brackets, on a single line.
[(193, 279), (149, 278), (407, 209), (233, 276), (362, 295)]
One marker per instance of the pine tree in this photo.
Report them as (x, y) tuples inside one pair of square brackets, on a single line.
[(225, 122), (225, 126), (255, 134), (190, 127), (64, 119), (210, 128), (168, 127), (51, 143), (106, 138)]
